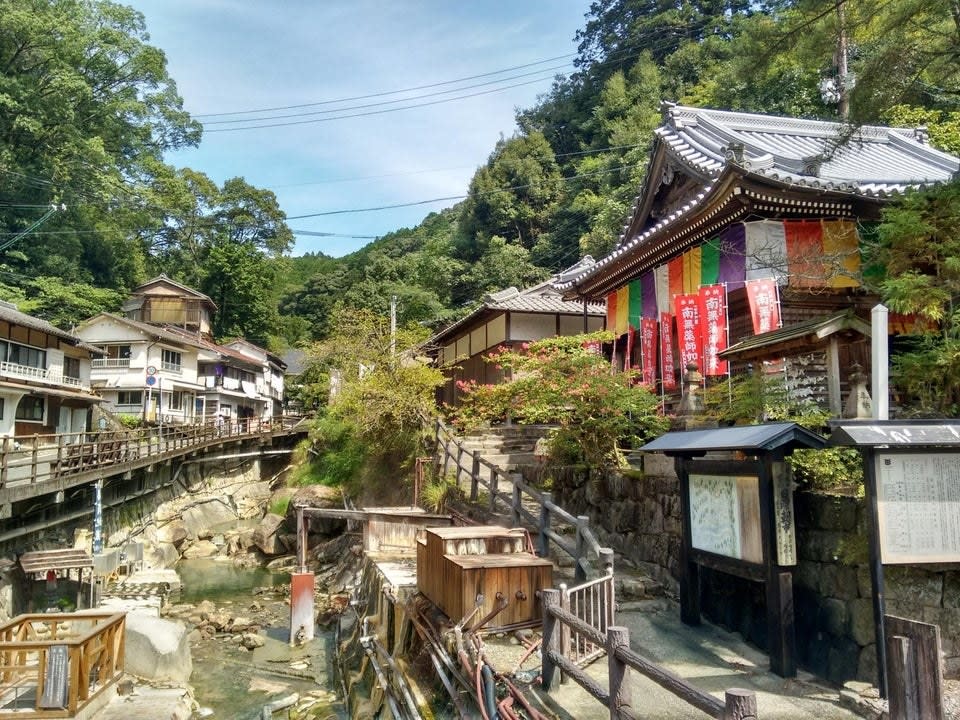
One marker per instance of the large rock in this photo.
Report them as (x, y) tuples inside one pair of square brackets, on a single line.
[(317, 496), (267, 535), (251, 499), (202, 518), (157, 649), (201, 549)]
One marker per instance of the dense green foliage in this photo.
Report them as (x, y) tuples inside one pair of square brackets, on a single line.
[(88, 110), (370, 432), (565, 382)]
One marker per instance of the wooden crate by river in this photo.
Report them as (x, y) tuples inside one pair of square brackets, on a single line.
[(457, 565)]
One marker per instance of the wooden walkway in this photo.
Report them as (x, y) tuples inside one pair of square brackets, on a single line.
[(44, 464)]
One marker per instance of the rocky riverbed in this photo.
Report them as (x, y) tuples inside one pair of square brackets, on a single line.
[(241, 652)]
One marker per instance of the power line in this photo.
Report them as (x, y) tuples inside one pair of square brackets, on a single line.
[(387, 92), (450, 197), (377, 112), (333, 181), (391, 102), (313, 233)]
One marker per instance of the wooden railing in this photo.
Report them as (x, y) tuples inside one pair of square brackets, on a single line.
[(617, 697), (39, 458), (52, 666), (526, 504)]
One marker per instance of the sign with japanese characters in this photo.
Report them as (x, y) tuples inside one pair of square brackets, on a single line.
[(725, 516), (764, 308), (666, 350), (648, 350), (918, 507), (688, 330), (713, 325)]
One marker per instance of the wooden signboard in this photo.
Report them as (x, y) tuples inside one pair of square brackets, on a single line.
[(918, 507), (56, 678), (725, 516)]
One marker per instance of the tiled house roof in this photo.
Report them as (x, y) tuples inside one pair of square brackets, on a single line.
[(720, 151), (541, 298)]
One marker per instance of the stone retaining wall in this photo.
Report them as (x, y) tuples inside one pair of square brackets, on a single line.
[(639, 516)]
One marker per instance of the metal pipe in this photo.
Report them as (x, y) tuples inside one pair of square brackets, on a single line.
[(381, 677), (489, 690), (502, 603)]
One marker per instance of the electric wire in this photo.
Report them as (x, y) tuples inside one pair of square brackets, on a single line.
[(387, 92), (389, 102)]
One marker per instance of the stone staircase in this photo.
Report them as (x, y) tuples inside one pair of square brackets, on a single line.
[(507, 447)]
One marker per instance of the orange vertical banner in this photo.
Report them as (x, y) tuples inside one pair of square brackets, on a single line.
[(841, 252), (675, 278), (805, 253), (612, 311)]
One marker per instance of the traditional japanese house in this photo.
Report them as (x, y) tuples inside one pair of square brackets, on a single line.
[(748, 225), (507, 319), (44, 377)]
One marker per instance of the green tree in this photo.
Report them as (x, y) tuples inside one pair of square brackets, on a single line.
[(86, 111), (238, 280), (512, 196), (372, 427), (918, 250), (502, 265)]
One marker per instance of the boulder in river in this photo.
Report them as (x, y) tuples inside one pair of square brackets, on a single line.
[(267, 535), (157, 649)]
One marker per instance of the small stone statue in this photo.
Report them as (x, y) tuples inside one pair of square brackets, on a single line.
[(691, 403), (859, 405)]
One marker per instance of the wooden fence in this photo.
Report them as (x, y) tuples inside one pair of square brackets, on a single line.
[(53, 665), (738, 704), (34, 460), (526, 504)]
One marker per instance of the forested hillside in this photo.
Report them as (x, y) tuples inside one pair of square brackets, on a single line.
[(88, 110)]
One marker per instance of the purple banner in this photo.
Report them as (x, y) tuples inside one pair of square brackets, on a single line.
[(648, 291), (733, 257)]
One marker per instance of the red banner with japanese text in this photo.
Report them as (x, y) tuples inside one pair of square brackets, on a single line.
[(764, 308), (666, 350), (688, 330), (648, 350), (713, 326)]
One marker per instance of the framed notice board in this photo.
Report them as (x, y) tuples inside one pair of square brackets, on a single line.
[(918, 507), (737, 507)]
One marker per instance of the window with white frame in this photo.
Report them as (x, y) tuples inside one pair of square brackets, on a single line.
[(171, 360), (176, 400)]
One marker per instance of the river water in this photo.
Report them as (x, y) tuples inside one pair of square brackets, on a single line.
[(231, 683)]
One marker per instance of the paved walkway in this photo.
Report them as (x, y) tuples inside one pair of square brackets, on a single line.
[(710, 659)]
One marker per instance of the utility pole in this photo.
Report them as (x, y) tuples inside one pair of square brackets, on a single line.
[(393, 325), (843, 91)]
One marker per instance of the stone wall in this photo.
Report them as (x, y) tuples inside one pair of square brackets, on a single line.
[(638, 514)]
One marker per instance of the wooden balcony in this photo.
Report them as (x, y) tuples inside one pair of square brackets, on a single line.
[(54, 665)]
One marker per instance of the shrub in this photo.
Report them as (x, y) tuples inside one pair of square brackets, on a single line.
[(563, 381)]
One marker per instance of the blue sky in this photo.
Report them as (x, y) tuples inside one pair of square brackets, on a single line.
[(240, 55)]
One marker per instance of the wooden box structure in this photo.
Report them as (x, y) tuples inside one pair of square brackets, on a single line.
[(458, 565)]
